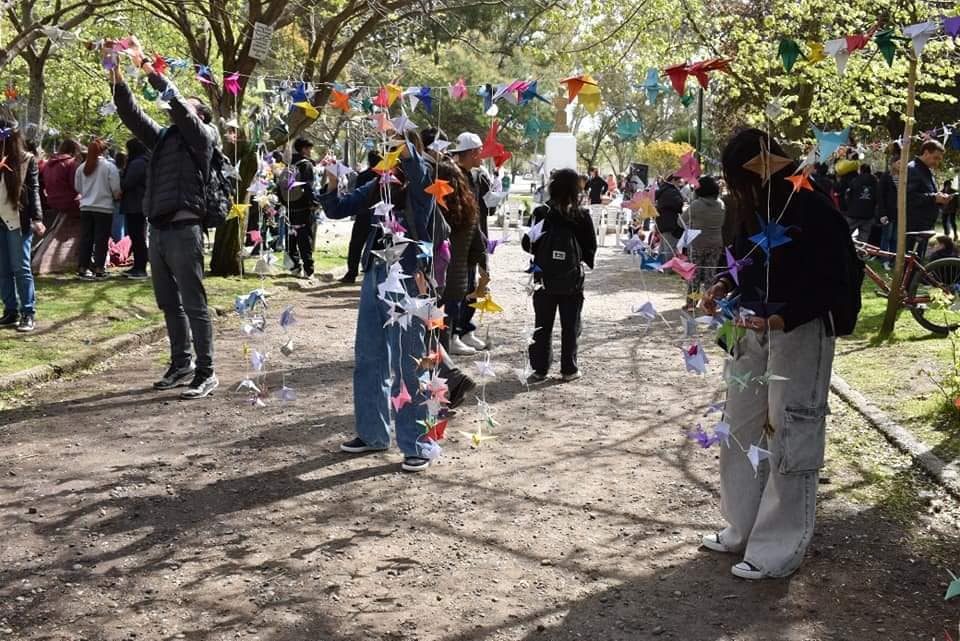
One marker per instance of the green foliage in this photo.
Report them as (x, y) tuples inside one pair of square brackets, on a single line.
[(662, 157)]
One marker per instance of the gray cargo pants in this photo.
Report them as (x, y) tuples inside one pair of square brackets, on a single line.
[(176, 265), (771, 512)]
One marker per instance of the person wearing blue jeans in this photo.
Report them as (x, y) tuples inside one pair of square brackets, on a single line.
[(21, 216), (387, 355)]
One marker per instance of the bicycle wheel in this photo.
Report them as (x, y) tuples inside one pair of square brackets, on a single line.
[(941, 275)]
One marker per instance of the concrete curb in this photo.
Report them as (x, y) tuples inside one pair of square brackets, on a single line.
[(125, 342), (948, 475)]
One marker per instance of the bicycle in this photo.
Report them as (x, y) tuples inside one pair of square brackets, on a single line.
[(919, 282)]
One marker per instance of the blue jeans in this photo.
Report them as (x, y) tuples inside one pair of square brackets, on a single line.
[(888, 237), (379, 351), (16, 278)]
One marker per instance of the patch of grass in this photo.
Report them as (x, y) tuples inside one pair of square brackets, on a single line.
[(73, 315), (891, 373)]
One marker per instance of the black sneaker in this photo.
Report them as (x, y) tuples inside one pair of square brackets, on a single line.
[(201, 386), (415, 464), (136, 274), (101, 276), (175, 376), (86, 274), (535, 378), (357, 446), (9, 319), (26, 323), (459, 392), (349, 279)]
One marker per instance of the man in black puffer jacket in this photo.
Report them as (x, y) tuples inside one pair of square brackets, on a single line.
[(174, 205)]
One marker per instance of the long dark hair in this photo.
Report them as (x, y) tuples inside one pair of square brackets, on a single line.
[(751, 193), (565, 192), (461, 205), (69, 147), (13, 151)]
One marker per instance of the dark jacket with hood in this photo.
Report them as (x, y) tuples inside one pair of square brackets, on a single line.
[(468, 248), (862, 197), (175, 181), (582, 230), (31, 211), (922, 208), (302, 209), (133, 184), (669, 207)]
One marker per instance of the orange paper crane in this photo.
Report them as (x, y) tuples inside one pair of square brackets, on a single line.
[(799, 181), (575, 84), (340, 100), (440, 189)]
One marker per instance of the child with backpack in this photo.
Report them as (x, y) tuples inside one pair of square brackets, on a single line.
[(800, 292), (567, 242)]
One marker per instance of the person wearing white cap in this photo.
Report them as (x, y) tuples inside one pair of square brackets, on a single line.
[(466, 152)]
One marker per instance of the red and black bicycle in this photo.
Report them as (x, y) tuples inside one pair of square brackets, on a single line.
[(919, 283)]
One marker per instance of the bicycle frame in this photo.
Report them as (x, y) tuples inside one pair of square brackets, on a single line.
[(886, 286)]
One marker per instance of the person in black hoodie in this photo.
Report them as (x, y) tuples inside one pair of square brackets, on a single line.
[(302, 231), (568, 242), (862, 203), (596, 186), (794, 293), (133, 184), (669, 203)]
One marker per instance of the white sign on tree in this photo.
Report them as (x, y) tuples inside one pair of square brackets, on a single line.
[(260, 42)]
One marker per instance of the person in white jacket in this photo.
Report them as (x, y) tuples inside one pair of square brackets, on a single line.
[(98, 183)]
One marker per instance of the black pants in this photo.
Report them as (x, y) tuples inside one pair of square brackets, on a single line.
[(137, 231), (950, 222), (545, 306), (358, 238), (300, 243), (94, 234)]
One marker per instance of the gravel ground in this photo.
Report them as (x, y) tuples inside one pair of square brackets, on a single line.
[(128, 514)]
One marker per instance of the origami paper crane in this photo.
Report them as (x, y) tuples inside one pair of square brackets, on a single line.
[(492, 199), (422, 97), (799, 181), (486, 305), (486, 92), (920, 33), (257, 402), (509, 92), (721, 433), (390, 160), (789, 51), (816, 52), (439, 145), (766, 164), (652, 85), (433, 429), (773, 110), (287, 348), (529, 93), (440, 189), (695, 359), (340, 100), (458, 90), (248, 384), (309, 110), (393, 283), (689, 169), (628, 129), (951, 26), (646, 310), (700, 437), (534, 127), (204, 75), (858, 41), (575, 85), (828, 142), (493, 149), (159, 64), (389, 93), (683, 267), (237, 210), (299, 93), (231, 83), (287, 318), (837, 49), (257, 360), (886, 44), (390, 255), (771, 236), (730, 334), (107, 108), (484, 369), (700, 70), (535, 231), (589, 96), (403, 124), (687, 238), (649, 263), (402, 398), (687, 99), (426, 249), (287, 394), (734, 266), (757, 454), (678, 77), (953, 590), (492, 245)]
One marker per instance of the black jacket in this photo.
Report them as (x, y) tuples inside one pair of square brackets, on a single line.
[(301, 210), (174, 181), (887, 197), (802, 269), (922, 209), (669, 208), (31, 211), (480, 183), (133, 184), (862, 197), (468, 248)]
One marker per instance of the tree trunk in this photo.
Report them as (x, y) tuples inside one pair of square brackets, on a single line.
[(894, 301), (38, 87)]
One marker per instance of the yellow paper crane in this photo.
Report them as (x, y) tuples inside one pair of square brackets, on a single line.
[(237, 211), (477, 438), (389, 161), (486, 304), (590, 95), (308, 110)]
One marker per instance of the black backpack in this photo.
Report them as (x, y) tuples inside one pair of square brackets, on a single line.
[(558, 255), (218, 190)]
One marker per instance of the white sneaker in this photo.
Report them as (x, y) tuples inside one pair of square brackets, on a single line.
[(458, 348), (472, 341), (713, 542), (748, 571)]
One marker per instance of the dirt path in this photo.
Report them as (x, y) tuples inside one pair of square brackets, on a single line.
[(131, 515)]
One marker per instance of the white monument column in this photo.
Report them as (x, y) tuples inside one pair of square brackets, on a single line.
[(560, 151)]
